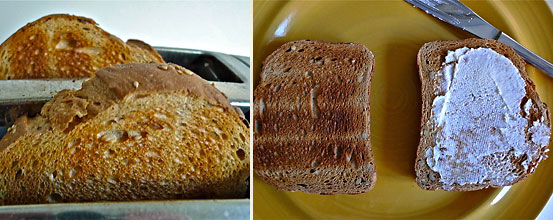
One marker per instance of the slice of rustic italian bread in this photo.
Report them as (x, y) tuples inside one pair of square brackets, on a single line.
[(66, 46), (311, 113), (133, 132), (483, 123)]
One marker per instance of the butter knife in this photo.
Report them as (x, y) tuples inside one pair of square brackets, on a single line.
[(461, 16)]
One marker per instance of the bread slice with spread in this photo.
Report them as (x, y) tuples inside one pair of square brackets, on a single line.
[(483, 123)]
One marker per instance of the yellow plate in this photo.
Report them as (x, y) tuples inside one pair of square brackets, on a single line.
[(394, 32)]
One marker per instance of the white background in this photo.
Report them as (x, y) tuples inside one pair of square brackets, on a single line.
[(222, 26)]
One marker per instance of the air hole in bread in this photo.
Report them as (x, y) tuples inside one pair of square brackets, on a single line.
[(242, 137), (125, 162), (66, 44), (154, 125), (302, 185), (287, 69), (74, 171), (113, 136), (261, 107), (152, 154), (432, 177), (14, 163), (522, 104), (258, 127), (348, 156), (337, 152), (76, 120), (74, 150), (139, 96), (54, 197), (214, 135), (202, 153), (112, 180), (301, 50), (160, 115), (109, 153), (316, 162), (354, 163), (74, 143), (18, 174), (224, 136), (84, 21), (315, 92), (241, 154)]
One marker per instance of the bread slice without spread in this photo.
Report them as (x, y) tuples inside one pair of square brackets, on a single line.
[(311, 114), (133, 132), (430, 58), (66, 46)]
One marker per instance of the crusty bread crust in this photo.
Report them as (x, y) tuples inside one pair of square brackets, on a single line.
[(151, 139), (429, 60), (311, 113), (66, 46)]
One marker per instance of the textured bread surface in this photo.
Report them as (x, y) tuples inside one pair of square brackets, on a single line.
[(133, 132), (311, 113), (66, 46), (429, 59)]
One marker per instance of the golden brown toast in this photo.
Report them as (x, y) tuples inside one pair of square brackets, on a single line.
[(67, 46), (133, 132), (311, 113)]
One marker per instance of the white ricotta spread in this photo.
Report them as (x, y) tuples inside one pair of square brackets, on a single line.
[(480, 117)]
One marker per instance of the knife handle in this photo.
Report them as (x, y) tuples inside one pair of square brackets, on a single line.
[(528, 55)]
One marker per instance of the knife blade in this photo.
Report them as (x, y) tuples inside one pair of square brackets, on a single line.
[(459, 15)]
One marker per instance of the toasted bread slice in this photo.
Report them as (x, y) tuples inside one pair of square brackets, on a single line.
[(492, 135), (133, 132), (66, 46), (311, 114)]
